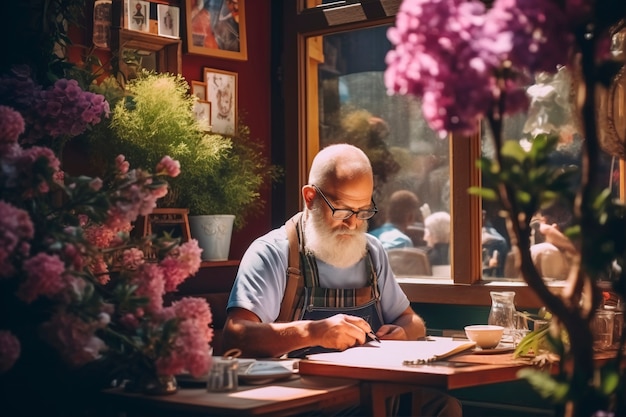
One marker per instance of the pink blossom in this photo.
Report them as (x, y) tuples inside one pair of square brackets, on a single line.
[(168, 166), (95, 184), (74, 256), (16, 228), (190, 352), (100, 269), (195, 308), (181, 263), (29, 172), (130, 321), (11, 127), (449, 53), (73, 338), (122, 164), (44, 277), (65, 109), (149, 281), (9, 350), (99, 235), (132, 258)]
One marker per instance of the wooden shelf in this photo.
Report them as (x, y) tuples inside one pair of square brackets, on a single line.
[(216, 264)]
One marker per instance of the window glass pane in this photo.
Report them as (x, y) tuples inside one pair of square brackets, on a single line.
[(406, 154), (551, 112)]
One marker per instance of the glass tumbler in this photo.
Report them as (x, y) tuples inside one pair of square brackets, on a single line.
[(602, 329), (223, 375)]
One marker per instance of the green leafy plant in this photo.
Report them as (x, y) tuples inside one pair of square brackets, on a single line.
[(238, 178), (220, 174)]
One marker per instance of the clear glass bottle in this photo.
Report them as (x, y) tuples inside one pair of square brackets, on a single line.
[(503, 312)]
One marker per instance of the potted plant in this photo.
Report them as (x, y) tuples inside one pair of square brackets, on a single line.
[(221, 175)]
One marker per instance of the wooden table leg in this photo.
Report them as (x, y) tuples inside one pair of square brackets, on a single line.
[(377, 398)]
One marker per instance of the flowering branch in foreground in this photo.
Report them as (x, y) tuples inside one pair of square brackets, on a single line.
[(71, 275), (470, 63)]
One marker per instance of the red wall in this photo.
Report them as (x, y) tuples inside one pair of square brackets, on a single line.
[(253, 96), (254, 100)]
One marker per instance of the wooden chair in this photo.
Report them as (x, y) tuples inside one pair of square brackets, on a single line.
[(409, 262)]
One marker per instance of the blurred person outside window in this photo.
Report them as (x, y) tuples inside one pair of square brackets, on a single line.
[(437, 237), (402, 211)]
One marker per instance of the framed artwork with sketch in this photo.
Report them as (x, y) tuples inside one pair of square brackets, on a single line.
[(202, 113), (198, 89), (216, 28), (221, 88)]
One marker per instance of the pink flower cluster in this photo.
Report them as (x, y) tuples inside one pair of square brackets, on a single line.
[(58, 256), (66, 110), (189, 350), (9, 350), (62, 110), (454, 53)]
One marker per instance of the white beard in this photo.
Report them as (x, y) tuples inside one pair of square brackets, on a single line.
[(340, 248)]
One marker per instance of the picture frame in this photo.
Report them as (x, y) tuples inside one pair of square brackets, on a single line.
[(174, 221), (168, 21), (137, 15), (221, 89), (202, 112), (216, 28), (198, 89), (102, 20)]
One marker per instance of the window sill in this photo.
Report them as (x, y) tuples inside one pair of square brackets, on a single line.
[(444, 291)]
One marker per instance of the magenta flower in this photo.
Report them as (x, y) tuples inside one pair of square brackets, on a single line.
[(44, 277), (9, 350), (168, 166), (11, 127), (450, 52), (16, 229), (71, 252)]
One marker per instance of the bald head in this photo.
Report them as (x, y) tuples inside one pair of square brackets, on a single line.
[(340, 163)]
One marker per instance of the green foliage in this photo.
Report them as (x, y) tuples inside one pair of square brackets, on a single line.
[(239, 177), (154, 117), (534, 182)]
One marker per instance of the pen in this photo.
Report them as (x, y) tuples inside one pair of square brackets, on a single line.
[(372, 336)]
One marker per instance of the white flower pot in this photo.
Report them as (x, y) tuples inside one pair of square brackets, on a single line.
[(213, 233)]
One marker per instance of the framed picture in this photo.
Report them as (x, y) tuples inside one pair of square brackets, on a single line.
[(173, 221), (216, 28), (221, 89), (138, 15), (198, 89), (202, 111), (102, 24), (169, 20)]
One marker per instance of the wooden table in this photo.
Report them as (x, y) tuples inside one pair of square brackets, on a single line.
[(284, 398), (379, 381)]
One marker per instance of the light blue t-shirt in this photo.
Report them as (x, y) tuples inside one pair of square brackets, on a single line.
[(391, 237), (262, 275)]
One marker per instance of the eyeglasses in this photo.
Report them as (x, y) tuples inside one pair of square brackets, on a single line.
[(343, 214)]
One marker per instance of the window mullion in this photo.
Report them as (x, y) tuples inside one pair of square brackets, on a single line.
[(465, 210)]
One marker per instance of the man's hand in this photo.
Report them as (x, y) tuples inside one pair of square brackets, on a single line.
[(340, 331), (391, 332)]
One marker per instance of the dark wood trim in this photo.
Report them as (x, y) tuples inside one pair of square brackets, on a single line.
[(445, 292)]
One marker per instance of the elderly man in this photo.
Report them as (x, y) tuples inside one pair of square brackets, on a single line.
[(336, 264)]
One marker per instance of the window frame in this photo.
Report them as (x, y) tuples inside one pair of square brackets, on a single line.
[(302, 52)]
